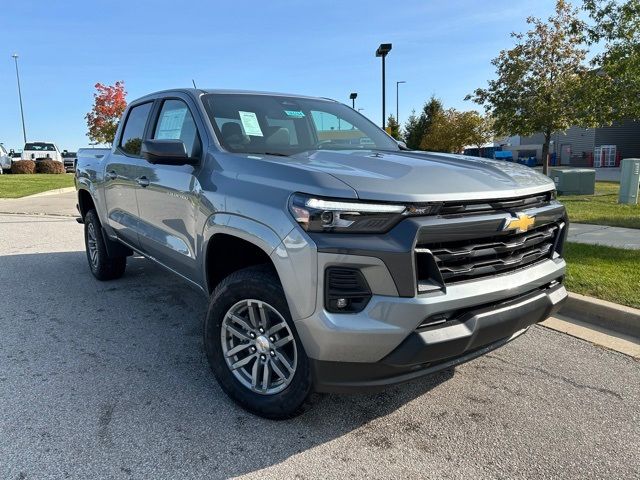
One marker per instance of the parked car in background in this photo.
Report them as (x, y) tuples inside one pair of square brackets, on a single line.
[(5, 159), (69, 159), (41, 150), (330, 263)]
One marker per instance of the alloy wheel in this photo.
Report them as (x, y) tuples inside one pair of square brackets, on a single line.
[(259, 347)]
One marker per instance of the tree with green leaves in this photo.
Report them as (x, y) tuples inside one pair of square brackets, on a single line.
[(417, 127), (393, 127), (451, 131), (541, 83), (615, 26)]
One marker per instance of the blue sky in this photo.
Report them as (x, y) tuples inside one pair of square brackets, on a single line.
[(320, 48)]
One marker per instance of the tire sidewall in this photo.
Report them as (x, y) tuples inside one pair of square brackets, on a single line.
[(92, 219), (259, 285)]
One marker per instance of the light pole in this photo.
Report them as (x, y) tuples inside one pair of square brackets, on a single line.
[(397, 101), (353, 97), (24, 131), (382, 51)]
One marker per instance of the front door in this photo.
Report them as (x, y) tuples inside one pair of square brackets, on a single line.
[(565, 154), (169, 204), (122, 174)]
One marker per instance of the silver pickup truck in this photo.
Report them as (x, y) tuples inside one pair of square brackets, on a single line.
[(333, 258)]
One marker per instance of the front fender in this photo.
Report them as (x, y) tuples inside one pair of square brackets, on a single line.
[(294, 259)]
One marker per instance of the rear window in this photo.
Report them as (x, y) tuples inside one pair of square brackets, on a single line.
[(40, 147), (131, 140)]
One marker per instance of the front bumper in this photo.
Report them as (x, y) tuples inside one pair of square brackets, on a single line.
[(387, 320), (425, 351)]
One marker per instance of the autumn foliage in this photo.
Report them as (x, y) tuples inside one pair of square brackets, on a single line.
[(108, 105)]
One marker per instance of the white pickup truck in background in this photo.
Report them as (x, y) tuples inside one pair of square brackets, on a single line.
[(40, 151)]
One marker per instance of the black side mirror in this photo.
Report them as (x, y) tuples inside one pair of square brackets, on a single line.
[(166, 152)]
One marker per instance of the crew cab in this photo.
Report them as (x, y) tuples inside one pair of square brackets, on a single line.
[(333, 258)]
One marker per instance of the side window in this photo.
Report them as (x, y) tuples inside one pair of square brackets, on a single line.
[(131, 140), (176, 123)]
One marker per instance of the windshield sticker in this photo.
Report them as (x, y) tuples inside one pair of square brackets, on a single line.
[(294, 113), (250, 124)]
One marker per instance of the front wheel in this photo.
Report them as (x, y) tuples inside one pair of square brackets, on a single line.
[(102, 265), (253, 347)]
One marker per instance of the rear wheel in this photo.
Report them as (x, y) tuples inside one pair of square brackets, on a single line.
[(253, 347), (103, 266)]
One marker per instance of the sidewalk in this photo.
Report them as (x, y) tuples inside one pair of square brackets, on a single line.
[(602, 235), (63, 204)]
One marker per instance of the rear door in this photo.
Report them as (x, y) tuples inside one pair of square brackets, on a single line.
[(123, 173), (169, 204)]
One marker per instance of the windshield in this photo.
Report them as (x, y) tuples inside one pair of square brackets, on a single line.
[(40, 147), (272, 124)]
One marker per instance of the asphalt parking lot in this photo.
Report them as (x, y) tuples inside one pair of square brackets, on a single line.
[(109, 380)]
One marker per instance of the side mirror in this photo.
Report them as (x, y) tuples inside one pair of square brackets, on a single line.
[(402, 145), (165, 152)]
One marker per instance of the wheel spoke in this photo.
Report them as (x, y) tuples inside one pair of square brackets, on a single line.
[(240, 321), (254, 374), (266, 375), (238, 333), (263, 316), (237, 349), (277, 327), (252, 315), (283, 341), (242, 362), (284, 361), (278, 370)]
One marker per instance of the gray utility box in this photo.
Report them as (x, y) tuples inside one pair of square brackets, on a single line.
[(574, 181), (629, 181)]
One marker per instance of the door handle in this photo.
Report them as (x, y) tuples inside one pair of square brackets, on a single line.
[(142, 181), (111, 175)]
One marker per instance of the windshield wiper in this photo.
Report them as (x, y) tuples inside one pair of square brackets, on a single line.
[(275, 154)]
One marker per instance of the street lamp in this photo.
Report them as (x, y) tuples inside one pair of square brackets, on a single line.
[(397, 101), (382, 51), (24, 131), (353, 97)]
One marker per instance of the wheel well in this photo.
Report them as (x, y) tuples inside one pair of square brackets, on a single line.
[(85, 202), (227, 254)]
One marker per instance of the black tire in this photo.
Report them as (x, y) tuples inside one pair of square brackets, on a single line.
[(257, 283), (103, 266)]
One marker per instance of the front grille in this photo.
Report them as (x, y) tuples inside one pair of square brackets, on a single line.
[(487, 206), (470, 259)]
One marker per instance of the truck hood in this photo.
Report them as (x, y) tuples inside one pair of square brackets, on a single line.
[(422, 176)]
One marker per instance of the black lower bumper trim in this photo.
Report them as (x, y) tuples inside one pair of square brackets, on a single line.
[(456, 341)]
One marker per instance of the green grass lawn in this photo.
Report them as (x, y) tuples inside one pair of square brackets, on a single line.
[(607, 273), (15, 186), (602, 208)]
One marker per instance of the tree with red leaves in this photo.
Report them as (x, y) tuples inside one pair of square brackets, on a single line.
[(108, 105)]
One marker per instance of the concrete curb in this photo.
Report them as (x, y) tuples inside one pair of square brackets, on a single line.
[(622, 319), (48, 192)]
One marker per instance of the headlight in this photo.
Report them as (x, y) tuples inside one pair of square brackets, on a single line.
[(317, 214)]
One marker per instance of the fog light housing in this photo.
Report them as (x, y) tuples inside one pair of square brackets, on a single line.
[(345, 290)]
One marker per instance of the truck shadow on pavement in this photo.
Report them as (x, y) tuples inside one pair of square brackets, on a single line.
[(114, 374)]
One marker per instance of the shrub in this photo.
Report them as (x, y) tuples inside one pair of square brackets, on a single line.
[(23, 166), (49, 166)]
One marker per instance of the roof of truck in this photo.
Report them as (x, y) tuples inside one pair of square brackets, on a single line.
[(199, 91)]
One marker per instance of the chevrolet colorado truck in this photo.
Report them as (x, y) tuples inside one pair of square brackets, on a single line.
[(333, 258)]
